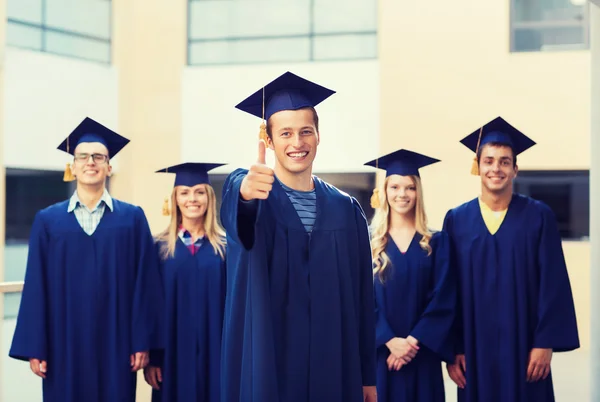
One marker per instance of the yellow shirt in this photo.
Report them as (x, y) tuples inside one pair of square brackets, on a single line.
[(492, 219)]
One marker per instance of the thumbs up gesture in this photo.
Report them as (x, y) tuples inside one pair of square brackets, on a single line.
[(258, 182)]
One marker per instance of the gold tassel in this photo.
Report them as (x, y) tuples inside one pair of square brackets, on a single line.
[(68, 176), (165, 209), (375, 199), (475, 167), (263, 132)]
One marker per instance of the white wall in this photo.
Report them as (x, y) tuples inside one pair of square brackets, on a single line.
[(45, 97), (214, 130)]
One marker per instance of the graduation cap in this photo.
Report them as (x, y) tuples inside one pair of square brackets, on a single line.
[(402, 162), (188, 174), (286, 92), (497, 131), (90, 130)]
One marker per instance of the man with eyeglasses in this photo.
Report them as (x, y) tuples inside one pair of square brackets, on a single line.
[(90, 307)]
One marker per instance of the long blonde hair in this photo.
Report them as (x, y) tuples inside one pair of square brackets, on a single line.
[(213, 231), (381, 223)]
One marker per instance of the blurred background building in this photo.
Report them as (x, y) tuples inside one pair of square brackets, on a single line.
[(408, 74)]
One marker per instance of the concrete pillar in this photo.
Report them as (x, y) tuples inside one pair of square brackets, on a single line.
[(149, 53), (595, 200)]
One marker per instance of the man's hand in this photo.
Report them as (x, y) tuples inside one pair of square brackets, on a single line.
[(538, 367), (259, 181), (139, 360), (38, 367), (153, 376), (370, 394), (402, 349), (457, 371)]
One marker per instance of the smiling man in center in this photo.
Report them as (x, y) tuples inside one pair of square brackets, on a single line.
[(299, 314)]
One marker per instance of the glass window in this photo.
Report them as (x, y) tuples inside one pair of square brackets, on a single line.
[(567, 193), (74, 28), (545, 25), (262, 31)]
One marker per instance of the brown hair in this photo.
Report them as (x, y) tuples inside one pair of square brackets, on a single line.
[(315, 119), (496, 144)]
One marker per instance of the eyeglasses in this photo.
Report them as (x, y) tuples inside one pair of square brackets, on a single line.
[(97, 158)]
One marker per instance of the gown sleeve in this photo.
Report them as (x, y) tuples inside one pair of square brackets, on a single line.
[(30, 337), (148, 299), (368, 351), (557, 323), (239, 217), (457, 333), (434, 327)]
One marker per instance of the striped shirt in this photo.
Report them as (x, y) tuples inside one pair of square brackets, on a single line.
[(305, 204), (89, 219), (187, 239)]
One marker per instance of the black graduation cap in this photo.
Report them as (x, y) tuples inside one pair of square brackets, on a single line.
[(286, 92), (497, 131), (90, 130), (191, 174), (402, 162)]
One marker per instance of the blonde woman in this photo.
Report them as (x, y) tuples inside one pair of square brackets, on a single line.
[(192, 251), (415, 289)]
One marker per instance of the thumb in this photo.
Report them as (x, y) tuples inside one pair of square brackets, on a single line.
[(261, 152), (43, 367)]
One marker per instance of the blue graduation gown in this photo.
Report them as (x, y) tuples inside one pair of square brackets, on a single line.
[(514, 295), (418, 298), (299, 315), (194, 287), (89, 302)]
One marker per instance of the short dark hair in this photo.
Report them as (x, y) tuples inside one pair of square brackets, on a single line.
[(315, 120), (497, 144)]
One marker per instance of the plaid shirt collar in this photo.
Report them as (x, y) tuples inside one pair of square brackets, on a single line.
[(186, 238), (74, 201)]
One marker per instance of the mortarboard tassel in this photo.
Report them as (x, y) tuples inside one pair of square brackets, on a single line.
[(375, 199), (375, 203), (68, 175), (475, 165), (263, 132), (165, 209), (262, 135)]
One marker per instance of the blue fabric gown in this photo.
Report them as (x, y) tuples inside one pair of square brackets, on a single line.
[(194, 287), (418, 298), (299, 316), (514, 295), (89, 302)]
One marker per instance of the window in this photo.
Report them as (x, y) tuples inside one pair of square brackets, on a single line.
[(74, 28), (546, 25), (262, 31), (567, 193), (27, 191)]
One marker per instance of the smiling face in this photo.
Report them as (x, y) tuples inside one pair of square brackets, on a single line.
[(91, 164), (497, 168), (294, 139), (192, 201), (401, 194)]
